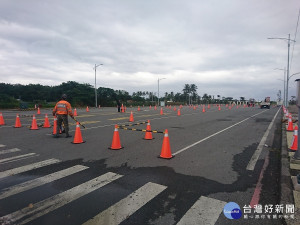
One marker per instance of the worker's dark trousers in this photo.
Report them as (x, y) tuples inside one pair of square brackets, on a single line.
[(62, 119)]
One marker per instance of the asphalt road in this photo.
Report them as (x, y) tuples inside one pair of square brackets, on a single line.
[(91, 184)]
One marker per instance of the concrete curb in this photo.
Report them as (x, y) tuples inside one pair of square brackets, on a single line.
[(286, 185)]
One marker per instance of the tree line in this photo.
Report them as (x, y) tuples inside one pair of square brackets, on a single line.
[(18, 95)]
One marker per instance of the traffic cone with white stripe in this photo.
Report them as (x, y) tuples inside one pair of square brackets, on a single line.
[(161, 111), (46, 123), (87, 109), (178, 112), (34, 124), (75, 112), (54, 125), (290, 124), (166, 149), (139, 109), (294, 146), (18, 122), (1, 119), (131, 117), (148, 134), (78, 136), (116, 143), (39, 111), (203, 109)]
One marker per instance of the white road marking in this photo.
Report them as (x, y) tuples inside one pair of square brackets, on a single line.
[(40, 181), (127, 206), (204, 139), (48, 205), (1, 146), (28, 167), (16, 157), (205, 211), (9, 151), (261, 144)]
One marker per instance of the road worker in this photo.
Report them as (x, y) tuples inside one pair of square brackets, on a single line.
[(62, 109)]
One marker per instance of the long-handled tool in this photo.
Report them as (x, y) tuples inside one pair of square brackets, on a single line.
[(78, 122)]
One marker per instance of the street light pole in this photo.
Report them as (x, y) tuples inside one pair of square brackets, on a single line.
[(284, 103), (158, 89), (95, 68), (288, 66)]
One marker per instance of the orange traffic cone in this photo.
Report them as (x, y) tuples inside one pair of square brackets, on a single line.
[(77, 137), (208, 106), (294, 146), (122, 108), (166, 149), (38, 112), (178, 112), (139, 109), (54, 125), (1, 119), (18, 122), (219, 108), (75, 112), (174, 108), (155, 108), (34, 124), (116, 143), (87, 109), (161, 111), (194, 107), (150, 107), (131, 117), (46, 123), (290, 124), (203, 109), (148, 134)]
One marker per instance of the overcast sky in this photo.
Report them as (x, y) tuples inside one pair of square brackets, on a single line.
[(219, 45)]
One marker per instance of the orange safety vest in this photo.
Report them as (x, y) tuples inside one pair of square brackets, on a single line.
[(63, 108)]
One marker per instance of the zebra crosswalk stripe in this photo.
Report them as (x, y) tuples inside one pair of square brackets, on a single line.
[(28, 167), (16, 157), (40, 181), (9, 150), (127, 206), (41, 208), (205, 211)]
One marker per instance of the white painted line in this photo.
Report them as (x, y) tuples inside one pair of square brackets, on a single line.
[(9, 151), (16, 157), (48, 205), (261, 144), (204, 139), (28, 167), (127, 206), (40, 181), (1, 146), (27, 157), (205, 211)]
